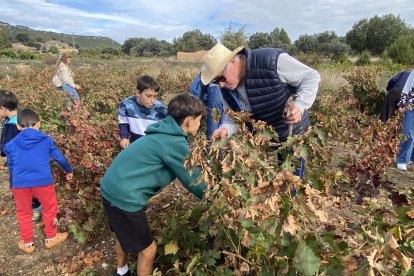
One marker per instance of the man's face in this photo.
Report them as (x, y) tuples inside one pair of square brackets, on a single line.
[(147, 97), (230, 77)]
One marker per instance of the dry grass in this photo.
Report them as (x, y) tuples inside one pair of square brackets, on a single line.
[(332, 80)]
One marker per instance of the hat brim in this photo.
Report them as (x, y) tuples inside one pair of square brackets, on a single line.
[(207, 75)]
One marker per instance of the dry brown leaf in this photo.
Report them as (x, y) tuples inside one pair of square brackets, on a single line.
[(4, 211), (289, 225), (350, 263), (404, 261), (244, 267), (391, 241), (322, 215), (410, 213)]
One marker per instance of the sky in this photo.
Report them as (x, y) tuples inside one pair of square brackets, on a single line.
[(163, 19)]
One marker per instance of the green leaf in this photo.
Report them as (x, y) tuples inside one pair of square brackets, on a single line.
[(305, 260), (193, 263), (80, 237), (88, 208), (246, 222), (304, 151)]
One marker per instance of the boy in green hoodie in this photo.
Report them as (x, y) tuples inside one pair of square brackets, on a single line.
[(141, 171)]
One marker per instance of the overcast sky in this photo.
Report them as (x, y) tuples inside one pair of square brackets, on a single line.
[(163, 19)]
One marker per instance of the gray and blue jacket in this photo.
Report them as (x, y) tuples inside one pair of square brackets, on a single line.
[(134, 118)]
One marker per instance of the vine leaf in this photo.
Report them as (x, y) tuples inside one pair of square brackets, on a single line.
[(305, 260), (171, 248)]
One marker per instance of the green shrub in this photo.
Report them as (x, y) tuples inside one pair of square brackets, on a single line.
[(342, 59), (402, 50), (53, 50), (110, 51), (26, 55), (368, 96), (8, 53), (364, 59)]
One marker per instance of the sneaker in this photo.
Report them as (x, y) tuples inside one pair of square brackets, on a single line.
[(402, 166), (25, 248), (126, 274), (37, 213), (60, 237)]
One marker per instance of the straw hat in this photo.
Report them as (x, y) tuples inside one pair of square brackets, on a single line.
[(215, 60)]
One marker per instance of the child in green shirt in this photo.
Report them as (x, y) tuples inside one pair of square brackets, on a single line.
[(141, 171)]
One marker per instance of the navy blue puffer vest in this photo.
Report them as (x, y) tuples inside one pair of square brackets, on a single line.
[(267, 95)]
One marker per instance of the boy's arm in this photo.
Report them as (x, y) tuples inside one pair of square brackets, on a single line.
[(174, 160), (56, 155), (124, 131), (123, 124)]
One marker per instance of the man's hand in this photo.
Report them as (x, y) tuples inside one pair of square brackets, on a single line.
[(219, 133), (69, 176), (292, 115), (77, 86), (124, 143)]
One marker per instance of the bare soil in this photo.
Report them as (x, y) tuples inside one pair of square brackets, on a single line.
[(95, 256)]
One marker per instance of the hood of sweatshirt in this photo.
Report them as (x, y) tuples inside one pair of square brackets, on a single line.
[(166, 126), (29, 137)]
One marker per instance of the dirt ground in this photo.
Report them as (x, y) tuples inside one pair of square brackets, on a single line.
[(98, 254)]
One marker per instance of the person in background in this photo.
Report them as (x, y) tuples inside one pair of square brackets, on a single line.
[(406, 154), (28, 159), (141, 171), (8, 110), (394, 89), (66, 76), (137, 112)]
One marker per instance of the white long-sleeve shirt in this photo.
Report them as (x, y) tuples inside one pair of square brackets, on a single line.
[(407, 95), (291, 72)]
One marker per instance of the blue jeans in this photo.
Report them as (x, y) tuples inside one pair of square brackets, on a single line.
[(406, 146), (71, 90)]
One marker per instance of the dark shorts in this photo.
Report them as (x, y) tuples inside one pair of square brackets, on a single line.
[(131, 228)]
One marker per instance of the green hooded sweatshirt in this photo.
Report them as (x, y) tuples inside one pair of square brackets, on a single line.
[(146, 166)]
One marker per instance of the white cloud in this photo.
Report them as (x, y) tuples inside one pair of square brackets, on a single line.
[(167, 19)]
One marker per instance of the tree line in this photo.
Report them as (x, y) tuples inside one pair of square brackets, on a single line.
[(387, 36)]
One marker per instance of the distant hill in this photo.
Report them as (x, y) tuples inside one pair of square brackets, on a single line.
[(81, 41)]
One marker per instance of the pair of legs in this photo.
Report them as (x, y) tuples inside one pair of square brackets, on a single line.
[(145, 258), (71, 94), (133, 235), (406, 153), (23, 198)]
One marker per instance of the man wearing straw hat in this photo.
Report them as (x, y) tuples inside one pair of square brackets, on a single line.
[(262, 81)]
